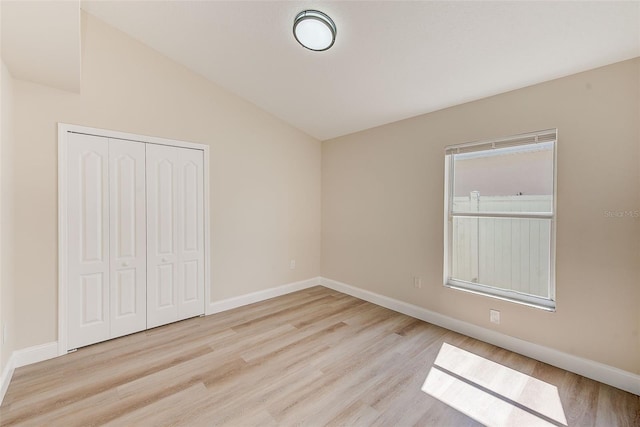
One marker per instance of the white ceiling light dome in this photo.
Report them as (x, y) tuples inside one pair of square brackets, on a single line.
[(314, 30)]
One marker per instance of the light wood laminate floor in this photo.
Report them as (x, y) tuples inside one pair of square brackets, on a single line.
[(315, 357)]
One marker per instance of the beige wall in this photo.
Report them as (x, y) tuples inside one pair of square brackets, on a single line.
[(265, 175), (382, 210), (6, 216)]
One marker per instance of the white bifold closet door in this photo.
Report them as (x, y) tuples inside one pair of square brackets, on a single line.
[(127, 237), (175, 234), (106, 238)]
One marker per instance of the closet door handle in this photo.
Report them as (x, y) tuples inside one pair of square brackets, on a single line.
[(165, 259), (125, 264)]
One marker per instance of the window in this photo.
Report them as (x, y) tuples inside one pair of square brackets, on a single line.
[(500, 218)]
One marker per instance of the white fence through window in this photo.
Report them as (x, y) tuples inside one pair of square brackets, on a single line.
[(506, 253)]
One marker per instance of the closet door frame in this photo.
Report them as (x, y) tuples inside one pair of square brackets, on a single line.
[(63, 227)]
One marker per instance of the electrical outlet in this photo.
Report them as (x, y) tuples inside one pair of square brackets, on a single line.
[(292, 264), (494, 316), (417, 282)]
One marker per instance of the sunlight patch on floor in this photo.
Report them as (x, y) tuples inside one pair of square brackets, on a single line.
[(490, 393)]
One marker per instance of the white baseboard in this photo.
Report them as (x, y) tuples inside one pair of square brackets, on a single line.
[(24, 357), (235, 302), (42, 352), (7, 373), (597, 371), (35, 354), (615, 377)]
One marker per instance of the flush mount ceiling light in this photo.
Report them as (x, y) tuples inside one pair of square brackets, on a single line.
[(314, 30)]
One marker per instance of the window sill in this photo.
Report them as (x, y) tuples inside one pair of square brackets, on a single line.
[(546, 305)]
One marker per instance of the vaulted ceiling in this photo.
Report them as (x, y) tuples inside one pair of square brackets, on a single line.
[(391, 60)]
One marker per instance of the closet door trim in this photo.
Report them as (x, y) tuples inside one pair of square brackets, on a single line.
[(63, 227)]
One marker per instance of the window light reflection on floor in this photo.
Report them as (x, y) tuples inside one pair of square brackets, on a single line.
[(490, 393)]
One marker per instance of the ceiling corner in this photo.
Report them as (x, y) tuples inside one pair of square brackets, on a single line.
[(41, 42)]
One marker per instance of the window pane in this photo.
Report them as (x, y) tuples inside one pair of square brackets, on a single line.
[(512, 179), (510, 254)]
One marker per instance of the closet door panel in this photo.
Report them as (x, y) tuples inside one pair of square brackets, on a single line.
[(162, 231), (128, 248), (134, 225), (191, 234), (88, 237)]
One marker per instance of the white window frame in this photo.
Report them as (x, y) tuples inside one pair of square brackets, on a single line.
[(545, 136)]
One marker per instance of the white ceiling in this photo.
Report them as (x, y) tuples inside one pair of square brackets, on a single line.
[(391, 60)]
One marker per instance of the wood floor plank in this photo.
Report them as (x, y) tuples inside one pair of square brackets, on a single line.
[(314, 357), (339, 388), (170, 410), (90, 384), (357, 414), (617, 408)]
